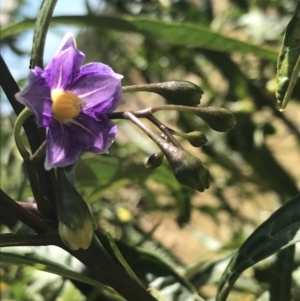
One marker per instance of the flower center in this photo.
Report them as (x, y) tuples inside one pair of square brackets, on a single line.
[(66, 105)]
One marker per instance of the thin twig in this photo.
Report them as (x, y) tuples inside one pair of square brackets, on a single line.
[(40, 152), (164, 129), (147, 113), (33, 134), (19, 240), (21, 213), (31, 207)]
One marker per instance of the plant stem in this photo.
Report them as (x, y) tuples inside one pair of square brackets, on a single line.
[(40, 31), (138, 88), (110, 273), (43, 205), (17, 132), (14, 240), (163, 144), (33, 134), (146, 113), (40, 152), (164, 129), (22, 214)]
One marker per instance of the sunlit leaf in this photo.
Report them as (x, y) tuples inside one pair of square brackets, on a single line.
[(288, 65), (154, 272), (189, 35), (279, 231), (50, 267), (282, 269)]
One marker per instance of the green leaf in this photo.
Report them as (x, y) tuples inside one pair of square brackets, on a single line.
[(282, 269), (186, 34), (153, 272), (279, 231), (103, 170), (288, 65), (120, 258), (51, 267)]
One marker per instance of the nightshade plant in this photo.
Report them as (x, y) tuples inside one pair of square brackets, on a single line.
[(68, 110), (70, 101)]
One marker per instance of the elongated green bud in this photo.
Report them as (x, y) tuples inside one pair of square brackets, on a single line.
[(219, 119), (155, 160), (187, 169), (179, 92), (197, 138), (75, 220), (175, 92)]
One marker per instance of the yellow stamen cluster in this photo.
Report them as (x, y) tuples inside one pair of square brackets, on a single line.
[(66, 105)]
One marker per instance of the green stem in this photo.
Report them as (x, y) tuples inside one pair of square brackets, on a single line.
[(40, 31), (138, 88), (162, 143), (106, 269), (146, 113), (43, 205), (18, 240), (130, 116), (40, 152), (179, 108), (179, 134), (22, 214), (164, 129), (17, 132)]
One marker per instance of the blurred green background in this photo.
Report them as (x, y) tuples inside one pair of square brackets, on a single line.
[(229, 48)]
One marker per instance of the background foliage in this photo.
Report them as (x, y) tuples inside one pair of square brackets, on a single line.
[(229, 48)]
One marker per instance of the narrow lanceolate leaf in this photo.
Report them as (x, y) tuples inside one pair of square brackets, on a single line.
[(51, 267), (186, 34), (281, 230), (281, 280), (40, 31), (121, 259), (288, 64)]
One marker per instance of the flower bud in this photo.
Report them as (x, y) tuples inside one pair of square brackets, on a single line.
[(187, 169), (178, 92), (155, 160), (219, 119), (76, 226), (76, 238), (197, 138)]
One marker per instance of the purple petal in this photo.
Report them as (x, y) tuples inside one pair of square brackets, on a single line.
[(94, 134), (36, 96), (61, 149), (65, 142), (98, 86), (68, 41), (61, 69)]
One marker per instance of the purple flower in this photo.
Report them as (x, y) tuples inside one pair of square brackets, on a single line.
[(70, 101)]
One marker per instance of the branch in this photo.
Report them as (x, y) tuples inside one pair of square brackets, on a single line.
[(109, 272), (21, 213), (20, 240), (35, 136), (95, 258)]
